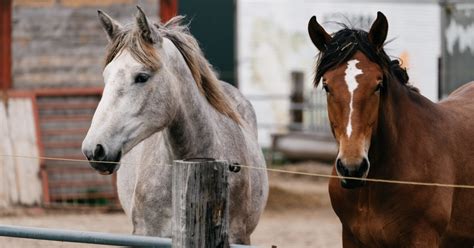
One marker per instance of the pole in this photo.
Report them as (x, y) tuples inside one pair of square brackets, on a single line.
[(200, 203)]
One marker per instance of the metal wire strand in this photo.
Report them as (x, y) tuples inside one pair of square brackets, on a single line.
[(377, 180)]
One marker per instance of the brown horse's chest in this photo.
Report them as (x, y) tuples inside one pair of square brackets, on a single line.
[(368, 226), (367, 223), (361, 213)]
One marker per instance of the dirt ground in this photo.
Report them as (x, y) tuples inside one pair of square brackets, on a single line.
[(298, 214)]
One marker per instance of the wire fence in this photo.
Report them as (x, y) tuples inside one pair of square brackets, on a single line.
[(376, 180), (314, 110)]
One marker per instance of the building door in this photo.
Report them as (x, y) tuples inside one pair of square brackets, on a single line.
[(212, 23)]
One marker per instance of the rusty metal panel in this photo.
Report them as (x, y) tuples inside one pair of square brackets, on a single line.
[(64, 118), (458, 45), (168, 9), (5, 44)]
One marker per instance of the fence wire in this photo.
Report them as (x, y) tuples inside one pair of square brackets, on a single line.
[(376, 180)]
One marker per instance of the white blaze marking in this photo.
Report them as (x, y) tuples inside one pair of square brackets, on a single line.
[(351, 72)]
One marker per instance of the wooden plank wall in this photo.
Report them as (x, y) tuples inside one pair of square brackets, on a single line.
[(60, 43), (20, 182)]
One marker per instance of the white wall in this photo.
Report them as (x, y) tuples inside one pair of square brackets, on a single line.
[(273, 41), (19, 177)]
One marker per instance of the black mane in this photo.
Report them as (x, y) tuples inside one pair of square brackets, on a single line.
[(345, 43)]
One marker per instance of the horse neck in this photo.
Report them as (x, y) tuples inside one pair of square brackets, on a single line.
[(191, 133), (403, 116)]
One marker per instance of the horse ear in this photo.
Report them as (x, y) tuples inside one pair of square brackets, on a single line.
[(146, 30), (378, 31), (318, 35), (111, 26)]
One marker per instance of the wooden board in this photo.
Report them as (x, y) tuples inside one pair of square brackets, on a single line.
[(21, 183)]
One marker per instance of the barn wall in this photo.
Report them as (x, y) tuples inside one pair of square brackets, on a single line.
[(19, 177), (60, 43)]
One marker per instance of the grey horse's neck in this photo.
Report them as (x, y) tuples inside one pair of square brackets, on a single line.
[(192, 132)]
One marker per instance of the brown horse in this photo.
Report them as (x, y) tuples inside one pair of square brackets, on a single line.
[(386, 129)]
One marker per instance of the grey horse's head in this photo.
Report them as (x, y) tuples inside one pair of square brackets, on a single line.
[(152, 75), (139, 95)]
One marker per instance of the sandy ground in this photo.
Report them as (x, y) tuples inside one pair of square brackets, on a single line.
[(298, 214)]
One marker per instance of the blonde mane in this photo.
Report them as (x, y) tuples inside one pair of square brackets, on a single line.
[(178, 33)]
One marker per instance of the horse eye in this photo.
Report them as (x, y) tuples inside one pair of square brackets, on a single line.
[(326, 88), (379, 87), (141, 78)]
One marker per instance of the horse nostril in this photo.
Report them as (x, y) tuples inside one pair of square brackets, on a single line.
[(364, 166), (88, 154), (99, 153), (340, 167)]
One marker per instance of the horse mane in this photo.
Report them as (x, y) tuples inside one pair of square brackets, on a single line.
[(178, 33), (345, 43), (203, 73)]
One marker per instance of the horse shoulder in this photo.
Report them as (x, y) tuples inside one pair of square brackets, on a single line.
[(149, 159)]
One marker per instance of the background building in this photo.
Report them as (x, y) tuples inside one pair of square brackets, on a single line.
[(51, 56)]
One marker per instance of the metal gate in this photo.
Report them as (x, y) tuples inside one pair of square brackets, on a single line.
[(457, 45), (64, 117)]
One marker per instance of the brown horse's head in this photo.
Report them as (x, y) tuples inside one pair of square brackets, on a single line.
[(351, 65)]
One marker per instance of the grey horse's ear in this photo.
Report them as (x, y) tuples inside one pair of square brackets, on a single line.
[(111, 26), (318, 35), (146, 30)]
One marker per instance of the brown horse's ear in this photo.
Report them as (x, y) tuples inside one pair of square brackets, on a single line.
[(318, 35), (378, 31), (146, 30), (111, 26)]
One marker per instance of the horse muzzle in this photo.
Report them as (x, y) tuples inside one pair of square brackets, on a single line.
[(358, 171), (102, 161), (104, 168)]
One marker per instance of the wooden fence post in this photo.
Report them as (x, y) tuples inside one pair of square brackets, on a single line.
[(200, 203)]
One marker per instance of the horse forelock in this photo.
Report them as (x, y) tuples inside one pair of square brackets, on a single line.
[(345, 43), (129, 38)]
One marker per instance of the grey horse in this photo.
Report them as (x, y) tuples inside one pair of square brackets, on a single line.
[(162, 101)]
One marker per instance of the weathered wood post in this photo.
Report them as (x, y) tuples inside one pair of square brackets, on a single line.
[(297, 101), (200, 203)]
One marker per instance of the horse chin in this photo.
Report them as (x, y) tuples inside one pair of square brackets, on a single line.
[(105, 168), (352, 183), (105, 173)]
